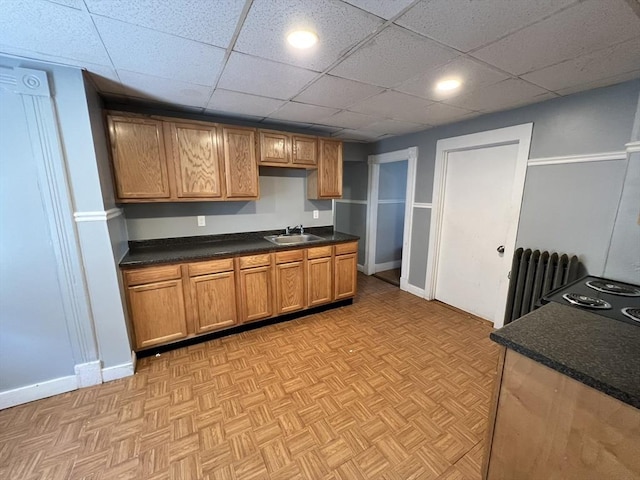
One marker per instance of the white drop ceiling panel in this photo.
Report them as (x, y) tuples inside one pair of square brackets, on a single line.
[(511, 92), (394, 56), (350, 120), (589, 68), (583, 28), (336, 92), (376, 61), (471, 73), (262, 77), (466, 25), (164, 90), (50, 29), (242, 103), (207, 22), (395, 127), (142, 50), (281, 17), (382, 8), (402, 106), (302, 112)]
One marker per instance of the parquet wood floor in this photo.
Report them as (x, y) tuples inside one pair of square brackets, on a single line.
[(391, 387)]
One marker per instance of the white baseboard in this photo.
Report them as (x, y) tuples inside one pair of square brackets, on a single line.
[(361, 268), (407, 287), (381, 267), (88, 374), (29, 393), (118, 371)]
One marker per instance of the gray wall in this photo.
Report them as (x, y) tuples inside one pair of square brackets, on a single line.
[(623, 258), (597, 121), (351, 217), (283, 201), (390, 224), (34, 343), (571, 208)]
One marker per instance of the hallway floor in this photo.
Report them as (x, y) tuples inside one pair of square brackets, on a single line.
[(391, 387), (389, 276)]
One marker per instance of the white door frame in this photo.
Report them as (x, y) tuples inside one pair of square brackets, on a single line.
[(519, 134), (411, 156)]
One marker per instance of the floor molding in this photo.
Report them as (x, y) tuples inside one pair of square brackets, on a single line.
[(88, 374), (412, 289), (37, 391), (118, 371)]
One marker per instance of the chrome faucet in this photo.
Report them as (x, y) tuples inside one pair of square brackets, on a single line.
[(287, 231)]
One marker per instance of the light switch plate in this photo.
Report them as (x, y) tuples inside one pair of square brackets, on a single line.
[(316, 214), (201, 221)]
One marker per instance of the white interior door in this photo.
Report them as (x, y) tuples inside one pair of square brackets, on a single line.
[(477, 216)]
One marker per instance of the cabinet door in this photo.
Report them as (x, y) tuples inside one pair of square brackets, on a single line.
[(214, 301), (194, 151), (157, 312), (304, 151), (139, 160), (240, 166), (346, 274), (319, 284), (330, 169), (255, 285), (290, 287), (274, 148)]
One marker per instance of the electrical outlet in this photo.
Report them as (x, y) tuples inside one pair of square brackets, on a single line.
[(201, 221), (316, 214)]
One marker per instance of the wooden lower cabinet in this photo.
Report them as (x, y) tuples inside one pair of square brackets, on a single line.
[(545, 425), (319, 281), (256, 294), (345, 270), (290, 287), (214, 301), (176, 301), (157, 312)]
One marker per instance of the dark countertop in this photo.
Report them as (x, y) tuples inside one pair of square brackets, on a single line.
[(171, 250), (600, 352)]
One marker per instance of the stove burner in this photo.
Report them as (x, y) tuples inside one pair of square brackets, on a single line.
[(632, 313), (584, 301), (607, 286)]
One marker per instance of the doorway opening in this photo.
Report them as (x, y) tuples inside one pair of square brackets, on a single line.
[(390, 196)]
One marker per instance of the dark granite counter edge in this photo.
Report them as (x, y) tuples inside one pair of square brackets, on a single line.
[(569, 372), (209, 243)]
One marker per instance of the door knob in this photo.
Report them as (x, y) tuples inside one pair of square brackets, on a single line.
[(500, 249)]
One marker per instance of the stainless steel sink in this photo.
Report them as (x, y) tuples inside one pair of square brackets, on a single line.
[(292, 239)]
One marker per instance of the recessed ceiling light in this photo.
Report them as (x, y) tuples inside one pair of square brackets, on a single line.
[(302, 39), (446, 85)]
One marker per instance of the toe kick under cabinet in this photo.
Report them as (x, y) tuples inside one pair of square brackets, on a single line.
[(169, 303)]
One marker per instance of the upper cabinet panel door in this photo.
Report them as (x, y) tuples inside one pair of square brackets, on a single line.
[(139, 161), (330, 169), (241, 169), (194, 151), (304, 151), (274, 148)]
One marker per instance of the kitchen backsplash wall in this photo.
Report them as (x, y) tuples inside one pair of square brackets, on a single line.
[(283, 201)]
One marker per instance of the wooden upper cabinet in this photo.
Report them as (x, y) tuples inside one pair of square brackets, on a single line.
[(240, 164), (139, 160), (279, 149), (304, 151), (326, 181), (275, 148), (194, 152)]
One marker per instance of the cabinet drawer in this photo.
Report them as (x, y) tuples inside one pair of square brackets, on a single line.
[(255, 260), (290, 256), (152, 274), (319, 252), (346, 248), (213, 266)]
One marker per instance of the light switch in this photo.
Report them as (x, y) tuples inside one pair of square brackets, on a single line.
[(316, 214), (201, 221)]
